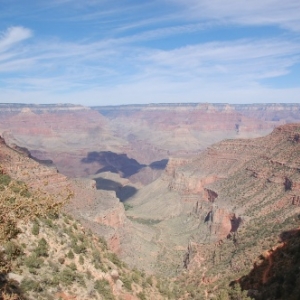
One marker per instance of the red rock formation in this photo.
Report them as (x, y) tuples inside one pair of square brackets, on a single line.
[(256, 179), (221, 225)]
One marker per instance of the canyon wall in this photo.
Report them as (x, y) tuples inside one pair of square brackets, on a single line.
[(207, 195), (100, 211), (68, 134), (234, 194)]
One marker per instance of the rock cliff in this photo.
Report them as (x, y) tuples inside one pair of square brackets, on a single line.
[(255, 199)]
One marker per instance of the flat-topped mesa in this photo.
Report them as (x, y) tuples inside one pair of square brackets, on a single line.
[(280, 113), (39, 108), (260, 107), (50, 122), (181, 117), (61, 133)]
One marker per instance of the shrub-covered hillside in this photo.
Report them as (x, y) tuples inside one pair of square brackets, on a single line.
[(46, 254)]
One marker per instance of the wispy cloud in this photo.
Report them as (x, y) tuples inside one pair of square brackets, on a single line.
[(255, 57), (59, 66), (285, 14), (12, 36), (148, 56)]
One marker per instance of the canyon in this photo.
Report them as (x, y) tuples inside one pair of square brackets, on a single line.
[(193, 191)]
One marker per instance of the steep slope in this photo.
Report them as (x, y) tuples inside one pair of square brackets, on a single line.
[(99, 210), (257, 199), (229, 203), (275, 273), (47, 254)]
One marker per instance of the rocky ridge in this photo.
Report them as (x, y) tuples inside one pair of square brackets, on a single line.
[(217, 202), (256, 201)]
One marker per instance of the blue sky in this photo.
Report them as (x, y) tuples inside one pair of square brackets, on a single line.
[(98, 52)]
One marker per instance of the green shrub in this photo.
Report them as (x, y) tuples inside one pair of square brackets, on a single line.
[(48, 222), (70, 254), (12, 250), (149, 280), (103, 288), (96, 259), (25, 193), (114, 259), (127, 206), (66, 277), (4, 179), (72, 266), (89, 274), (163, 288), (103, 242), (53, 216), (127, 281), (10, 230), (96, 256), (61, 260), (78, 248), (136, 276), (236, 293), (35, 228), (33, 261), (54, 266), (42, 248), (30, 285), (80, 280), (142, 296), (81, 260)]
